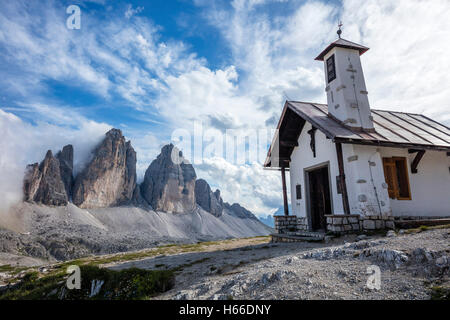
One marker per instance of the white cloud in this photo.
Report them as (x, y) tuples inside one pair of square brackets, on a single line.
[(406, 68), (131, 12), (115, 56), (258, 190), (23, 143)]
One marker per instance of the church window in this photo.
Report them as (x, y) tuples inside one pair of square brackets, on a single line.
[(331, 69)]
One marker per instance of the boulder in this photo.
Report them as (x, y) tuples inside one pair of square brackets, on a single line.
[(43, 183), (109, 179), (169, 182)]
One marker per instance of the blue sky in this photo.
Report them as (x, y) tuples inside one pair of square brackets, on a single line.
[(152, 67)]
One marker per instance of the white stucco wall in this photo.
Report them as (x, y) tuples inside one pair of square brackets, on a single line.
[(347, 94), (430, 187), (301, 158), (368, 194)]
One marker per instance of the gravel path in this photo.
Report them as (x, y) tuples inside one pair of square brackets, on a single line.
[(409, 264)]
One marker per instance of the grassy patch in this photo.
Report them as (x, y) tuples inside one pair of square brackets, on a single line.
[(440, 293), (6, 268), (162, 250), (12, 270), (128, 284), (131, 283), (427, 228)]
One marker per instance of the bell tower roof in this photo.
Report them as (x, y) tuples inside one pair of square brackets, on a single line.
[(342, 43)]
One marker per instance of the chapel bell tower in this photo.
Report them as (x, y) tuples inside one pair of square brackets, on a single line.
[(345, 85)]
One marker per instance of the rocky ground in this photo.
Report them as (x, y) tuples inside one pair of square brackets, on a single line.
[(410, 264), (51, 234)]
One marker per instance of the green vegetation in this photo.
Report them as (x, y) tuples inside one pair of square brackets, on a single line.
[(128, 284), (427, 228), (6, 268), (440, 293), (12, 270), (159, 251)]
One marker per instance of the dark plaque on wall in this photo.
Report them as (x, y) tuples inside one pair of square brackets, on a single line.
[(298, 191), (338, 184)]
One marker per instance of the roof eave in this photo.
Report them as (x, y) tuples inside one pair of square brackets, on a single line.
[(321, 56)]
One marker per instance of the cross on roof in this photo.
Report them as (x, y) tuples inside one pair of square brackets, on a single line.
[(339, 32)]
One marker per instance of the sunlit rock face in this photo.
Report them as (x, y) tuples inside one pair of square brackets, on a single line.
[(169, 182), (109, 179)]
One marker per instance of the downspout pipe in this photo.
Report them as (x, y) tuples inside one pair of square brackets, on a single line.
[(283, 181)]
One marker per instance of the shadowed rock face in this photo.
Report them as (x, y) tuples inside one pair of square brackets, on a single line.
[(240, 211), (169, 186), (110, 177), (43, 183), (65, 158), (208, 200)]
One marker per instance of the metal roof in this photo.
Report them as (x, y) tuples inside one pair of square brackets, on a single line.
[(342, 43), (392, 129)]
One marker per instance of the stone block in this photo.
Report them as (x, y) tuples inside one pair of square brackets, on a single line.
[(337, 220), (355, 226), (369, 224), (347, 227), (379, 224), (353, 220), (390, 225)]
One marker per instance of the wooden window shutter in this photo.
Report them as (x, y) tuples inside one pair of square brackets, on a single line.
[(404, 190), (390, 175)]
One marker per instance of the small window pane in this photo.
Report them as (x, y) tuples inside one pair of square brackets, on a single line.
[(331, 69)]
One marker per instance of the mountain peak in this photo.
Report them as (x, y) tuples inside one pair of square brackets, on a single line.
[(109, 179), (169, 182)]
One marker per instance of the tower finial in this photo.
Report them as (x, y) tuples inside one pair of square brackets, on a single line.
[(339, 32)]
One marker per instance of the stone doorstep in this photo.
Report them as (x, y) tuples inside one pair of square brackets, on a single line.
[(293, 238), (310, 234)]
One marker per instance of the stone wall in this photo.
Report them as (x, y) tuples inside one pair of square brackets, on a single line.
[(339, 224), (368, 223), (343, 223), (285, 224), (302, 224), (355, 223)]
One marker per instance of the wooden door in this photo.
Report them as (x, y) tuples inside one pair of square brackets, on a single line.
[(319, 197)]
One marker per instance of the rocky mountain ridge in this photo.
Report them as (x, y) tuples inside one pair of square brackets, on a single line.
[(109, 179)]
